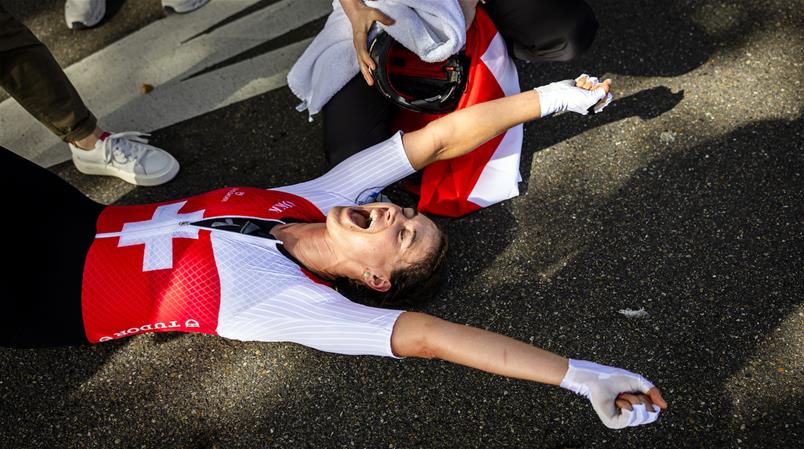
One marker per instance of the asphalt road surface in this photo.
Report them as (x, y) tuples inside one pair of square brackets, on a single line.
[(684, 198)]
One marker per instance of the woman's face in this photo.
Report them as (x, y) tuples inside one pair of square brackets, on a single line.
[(382, 237)]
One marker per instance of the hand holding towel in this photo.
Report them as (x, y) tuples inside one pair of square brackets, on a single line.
[(433, 29)]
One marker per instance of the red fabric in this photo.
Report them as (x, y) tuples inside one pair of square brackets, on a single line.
[(120, 299), (446, 185)]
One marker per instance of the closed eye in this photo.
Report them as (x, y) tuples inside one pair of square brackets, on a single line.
[(407, 235)]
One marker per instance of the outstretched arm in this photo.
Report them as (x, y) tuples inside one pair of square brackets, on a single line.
[(462, 131), (421, 335)]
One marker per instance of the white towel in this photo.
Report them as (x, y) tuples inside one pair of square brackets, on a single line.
[(433, 29)]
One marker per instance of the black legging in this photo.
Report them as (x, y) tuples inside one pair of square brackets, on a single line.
[(47, 226), (358, 116)]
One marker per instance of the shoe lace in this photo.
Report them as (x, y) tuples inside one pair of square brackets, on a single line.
[(125, 147)]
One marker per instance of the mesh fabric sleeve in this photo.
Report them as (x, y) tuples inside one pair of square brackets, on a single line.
[(315, 316), (358, 179)]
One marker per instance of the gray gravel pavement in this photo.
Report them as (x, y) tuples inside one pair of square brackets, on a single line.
[(684, 198)]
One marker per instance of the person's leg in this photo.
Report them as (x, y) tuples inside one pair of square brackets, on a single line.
[(30, 74), (48, 226), (356, 118), (544, 30)]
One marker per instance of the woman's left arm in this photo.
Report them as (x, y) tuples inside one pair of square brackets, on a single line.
[(460, 132), (619, 397)]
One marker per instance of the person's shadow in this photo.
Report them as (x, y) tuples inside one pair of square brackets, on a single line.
[(493, 229), (701, 238), (646, 104)]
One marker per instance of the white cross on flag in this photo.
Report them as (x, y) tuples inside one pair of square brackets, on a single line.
[(159, 245)]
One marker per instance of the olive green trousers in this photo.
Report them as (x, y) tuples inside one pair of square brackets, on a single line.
[(30, 74)]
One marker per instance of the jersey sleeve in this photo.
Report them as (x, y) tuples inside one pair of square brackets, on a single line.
[(358, 179), (318, 317)]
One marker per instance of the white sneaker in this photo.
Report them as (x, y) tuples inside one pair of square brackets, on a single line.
[(182, 6), (127, 156), (80, 14)]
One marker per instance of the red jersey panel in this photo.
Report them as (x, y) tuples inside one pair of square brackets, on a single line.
[(149, 269)]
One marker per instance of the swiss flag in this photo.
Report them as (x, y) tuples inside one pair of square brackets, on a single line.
[(490, 173), (170, 280)]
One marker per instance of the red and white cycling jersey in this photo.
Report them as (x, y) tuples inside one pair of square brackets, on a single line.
[(151, 266), (154, 268)]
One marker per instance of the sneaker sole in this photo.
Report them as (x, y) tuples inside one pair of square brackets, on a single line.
[(193, 6), (96, 20), (131, 178)]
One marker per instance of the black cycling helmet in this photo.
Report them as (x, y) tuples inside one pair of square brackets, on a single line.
[(402, 77)]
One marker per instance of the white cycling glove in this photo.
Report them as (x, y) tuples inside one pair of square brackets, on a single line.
[(602, 384), (564, 96)]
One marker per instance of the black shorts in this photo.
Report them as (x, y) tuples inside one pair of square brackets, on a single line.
[(48, 226)]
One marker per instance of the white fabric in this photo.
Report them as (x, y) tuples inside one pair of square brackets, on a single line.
[(433, 29), (601, 384), (564, 96), (266, 297), (500, 177), (358, 179)]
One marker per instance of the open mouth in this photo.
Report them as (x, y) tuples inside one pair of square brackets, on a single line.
[(361, 218), (364, 218)]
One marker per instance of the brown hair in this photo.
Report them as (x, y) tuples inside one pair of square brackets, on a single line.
[(420, 281), (410, 286)]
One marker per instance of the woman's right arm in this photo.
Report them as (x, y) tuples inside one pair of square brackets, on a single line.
[(421, 335)]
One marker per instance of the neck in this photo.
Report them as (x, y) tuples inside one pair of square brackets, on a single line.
[(309, 244)]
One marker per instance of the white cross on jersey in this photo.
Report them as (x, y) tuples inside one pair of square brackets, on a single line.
[(159, 244)]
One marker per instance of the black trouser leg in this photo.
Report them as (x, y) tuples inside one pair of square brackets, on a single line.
[(544, 30), (356, 118), (48, 226)]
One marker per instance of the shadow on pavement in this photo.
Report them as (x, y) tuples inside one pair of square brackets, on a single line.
[(646, 104), (703, 241), (700, 239), (648, 39), (661, 39), (40, 390)]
